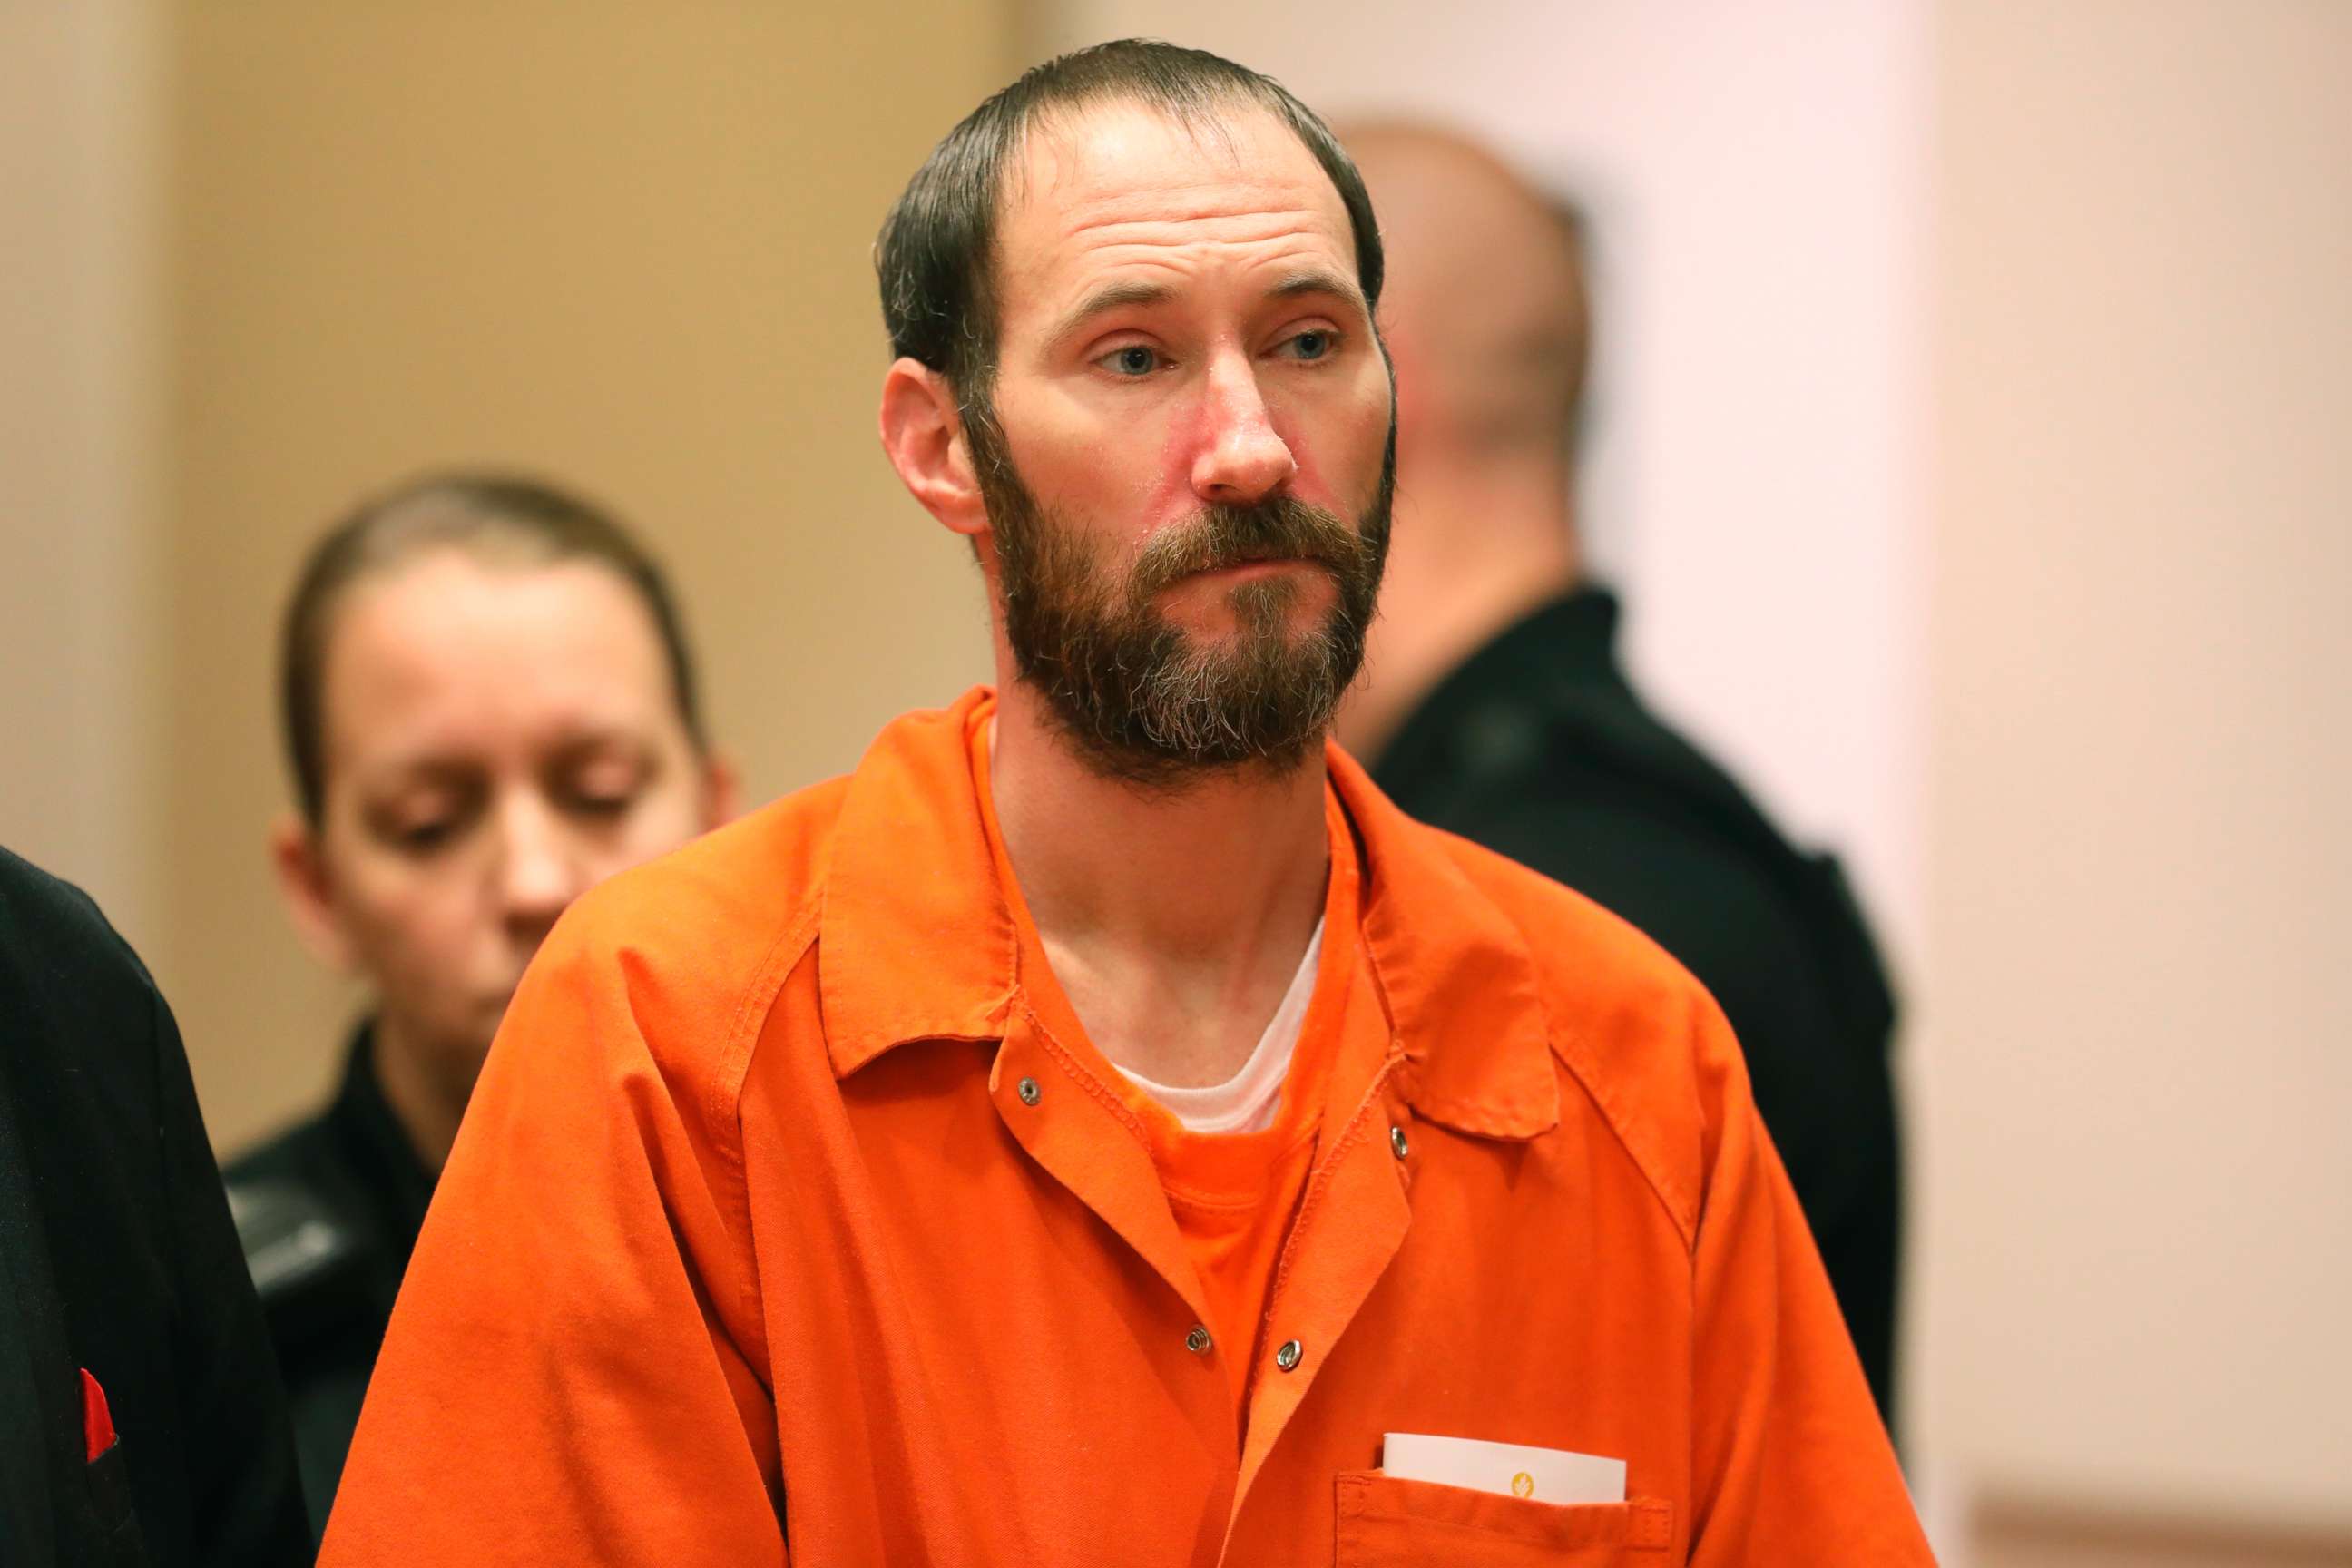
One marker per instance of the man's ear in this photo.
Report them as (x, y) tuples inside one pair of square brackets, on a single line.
[(922, 432), (303, 882)]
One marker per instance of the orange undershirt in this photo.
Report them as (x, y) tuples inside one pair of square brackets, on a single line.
[(1232, 1195)]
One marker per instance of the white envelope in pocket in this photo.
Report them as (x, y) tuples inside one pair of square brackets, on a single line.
[(1544, 1475)]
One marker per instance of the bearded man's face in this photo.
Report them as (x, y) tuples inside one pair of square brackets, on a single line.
[(1186, 441), (1148, 700)]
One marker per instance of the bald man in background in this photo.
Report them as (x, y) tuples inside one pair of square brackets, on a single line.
[(1495, 707)]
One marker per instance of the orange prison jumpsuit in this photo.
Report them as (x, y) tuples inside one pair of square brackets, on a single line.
[(785, 1221), (1233, 1196)]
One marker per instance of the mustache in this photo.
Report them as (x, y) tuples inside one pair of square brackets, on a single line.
[(1280, 527)]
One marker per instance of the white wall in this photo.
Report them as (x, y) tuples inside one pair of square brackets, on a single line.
[(2138, 1066), (1755, 174), (1975, 390), (1758, 179)]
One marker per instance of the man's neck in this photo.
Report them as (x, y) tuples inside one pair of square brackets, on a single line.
[(1173, 921), (1477, 550)]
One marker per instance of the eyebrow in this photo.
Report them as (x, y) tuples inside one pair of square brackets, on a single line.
[(1109, 296), (1317, 280), (442, 769), (1136, 291), (431, 769)]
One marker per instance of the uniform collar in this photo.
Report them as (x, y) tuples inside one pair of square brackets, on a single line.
[(1569, 641), (915, 940), (1561, 653), (1442, 951)]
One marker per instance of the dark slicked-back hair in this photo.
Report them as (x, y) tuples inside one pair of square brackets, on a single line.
[(935, 255), (496, 518)]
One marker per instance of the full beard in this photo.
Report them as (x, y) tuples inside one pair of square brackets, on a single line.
[(1143, 700)]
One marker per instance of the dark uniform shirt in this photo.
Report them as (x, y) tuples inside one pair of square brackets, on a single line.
[(329, 1212), (1538, 748), (141, 1420)]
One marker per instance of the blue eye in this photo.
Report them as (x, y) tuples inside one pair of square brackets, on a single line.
[(1135, 359), (1312, 345)]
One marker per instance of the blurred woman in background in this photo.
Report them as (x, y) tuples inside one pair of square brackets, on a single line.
[(489, 705)]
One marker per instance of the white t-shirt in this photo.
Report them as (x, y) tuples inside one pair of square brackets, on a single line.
[(1246, 1102)]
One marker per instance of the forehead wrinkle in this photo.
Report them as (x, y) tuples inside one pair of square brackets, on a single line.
[(1200, 196), (1229, 226), (1298, 240)]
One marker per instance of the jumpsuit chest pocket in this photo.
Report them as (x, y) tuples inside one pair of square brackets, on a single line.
[(1386, 1522)]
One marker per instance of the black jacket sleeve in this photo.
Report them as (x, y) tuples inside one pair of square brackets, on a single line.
[(126, 1266)]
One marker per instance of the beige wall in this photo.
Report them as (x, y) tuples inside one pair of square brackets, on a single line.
[(2137, 1063), (625, 244), (78, 362)]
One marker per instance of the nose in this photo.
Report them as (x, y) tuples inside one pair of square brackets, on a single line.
[(1243, 459), (538, 875)]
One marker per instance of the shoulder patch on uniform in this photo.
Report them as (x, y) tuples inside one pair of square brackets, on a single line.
[(295, 1244)]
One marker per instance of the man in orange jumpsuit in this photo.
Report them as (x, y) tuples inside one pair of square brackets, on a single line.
[(1102, 1128)]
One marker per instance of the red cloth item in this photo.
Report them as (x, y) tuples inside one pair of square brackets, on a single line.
[(97, 1423)]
